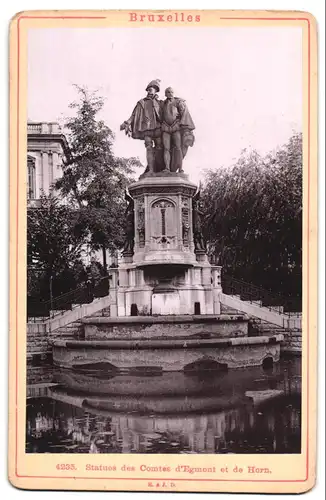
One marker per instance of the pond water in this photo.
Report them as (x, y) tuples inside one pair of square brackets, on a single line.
[(251, 410)]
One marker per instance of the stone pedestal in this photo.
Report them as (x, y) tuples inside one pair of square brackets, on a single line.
[(163, 220), (165, 275)]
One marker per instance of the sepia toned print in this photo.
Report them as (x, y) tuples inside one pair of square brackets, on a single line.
[(163, 338)]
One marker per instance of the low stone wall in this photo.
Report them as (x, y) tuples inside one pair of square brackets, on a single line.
[(292, 342), (37, 340), (41, 374), (166, 355), (142, 327)]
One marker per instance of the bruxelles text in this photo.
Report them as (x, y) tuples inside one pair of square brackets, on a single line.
[(176, 17)]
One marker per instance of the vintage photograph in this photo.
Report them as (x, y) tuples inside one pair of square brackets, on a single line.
[(164, 239)]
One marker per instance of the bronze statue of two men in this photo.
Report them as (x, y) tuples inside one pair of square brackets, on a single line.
[(166, 127)]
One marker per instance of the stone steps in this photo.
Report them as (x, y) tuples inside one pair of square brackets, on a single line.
[(66, 325), (292, 339), (259, 303), (77, 313), (292, 342), (268, 315), (104, 313), (73, 330)]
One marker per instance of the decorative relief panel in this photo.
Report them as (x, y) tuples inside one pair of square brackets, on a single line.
[(163, 224)]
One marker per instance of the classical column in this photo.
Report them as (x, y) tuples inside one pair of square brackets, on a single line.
[(56, 171), (39, 175), (51, 167), (45, 170)]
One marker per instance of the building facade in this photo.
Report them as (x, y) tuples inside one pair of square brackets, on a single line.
[(47, 149)]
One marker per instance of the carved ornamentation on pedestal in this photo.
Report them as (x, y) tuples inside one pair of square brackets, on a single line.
[(185, 220), (163, 204), (128, 248), (199, 242), (185, 202), (141, 222)]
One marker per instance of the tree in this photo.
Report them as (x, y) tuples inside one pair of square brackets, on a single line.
[(94, 179), (54, 248), (253, 221)]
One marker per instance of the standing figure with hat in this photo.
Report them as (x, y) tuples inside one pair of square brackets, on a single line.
[(145, 124)]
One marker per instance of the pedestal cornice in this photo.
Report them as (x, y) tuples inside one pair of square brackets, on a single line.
[(174, 183)]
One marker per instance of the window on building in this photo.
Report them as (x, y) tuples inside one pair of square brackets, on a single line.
[(31, 187)]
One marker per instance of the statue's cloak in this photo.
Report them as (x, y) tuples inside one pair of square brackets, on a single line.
[(185, 117), (145, 118)]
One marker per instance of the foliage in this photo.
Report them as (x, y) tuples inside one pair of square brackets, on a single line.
[(54, 248), (253, 217), (94, 179)]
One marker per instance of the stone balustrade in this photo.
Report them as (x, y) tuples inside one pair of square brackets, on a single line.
[(43, 128)]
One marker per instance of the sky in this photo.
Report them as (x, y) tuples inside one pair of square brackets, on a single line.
[(243, 85)]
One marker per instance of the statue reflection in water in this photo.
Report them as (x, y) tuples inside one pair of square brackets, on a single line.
[(85, 415)]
